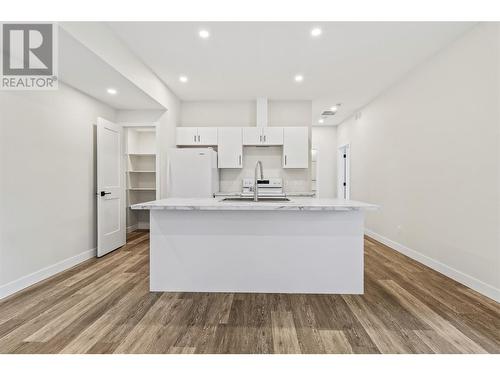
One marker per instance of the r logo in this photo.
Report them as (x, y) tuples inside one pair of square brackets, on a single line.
[(27, 50)]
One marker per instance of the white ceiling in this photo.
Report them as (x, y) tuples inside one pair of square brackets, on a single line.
[(81, 68), (350, 63)]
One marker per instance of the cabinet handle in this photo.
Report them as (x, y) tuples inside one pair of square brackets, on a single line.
[(285, 159), (194, 138), (260, 138), (239, 159), (264, 138), (198, 138)]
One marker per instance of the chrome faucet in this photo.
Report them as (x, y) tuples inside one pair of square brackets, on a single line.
[(255, 187)]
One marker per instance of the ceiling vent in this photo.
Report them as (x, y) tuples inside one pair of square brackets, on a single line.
[(328, 113)]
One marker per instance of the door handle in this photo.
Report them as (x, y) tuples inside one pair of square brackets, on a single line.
[(103, 193)]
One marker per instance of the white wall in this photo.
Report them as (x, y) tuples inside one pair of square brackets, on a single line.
[(47, 183), (55, 125), (102, 41), (217, 113), (427, 151), (243, 113), (324, 141)]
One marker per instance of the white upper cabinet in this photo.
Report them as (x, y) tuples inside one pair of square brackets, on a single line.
[(230, 147), (252, 136), (272, 136), (186, 136), (207, 136), (296, 147), (268, 136)]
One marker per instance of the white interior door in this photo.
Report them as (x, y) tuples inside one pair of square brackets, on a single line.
[(110, 188)]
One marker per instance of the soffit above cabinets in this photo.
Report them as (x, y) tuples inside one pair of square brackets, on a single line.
[(82, 69)]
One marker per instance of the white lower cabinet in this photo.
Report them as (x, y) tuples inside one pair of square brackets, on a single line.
[(295, 147), (230, 147)]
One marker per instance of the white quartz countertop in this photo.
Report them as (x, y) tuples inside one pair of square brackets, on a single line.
[(218, 204)]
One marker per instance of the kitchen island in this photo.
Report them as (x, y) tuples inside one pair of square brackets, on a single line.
[(304, 245)]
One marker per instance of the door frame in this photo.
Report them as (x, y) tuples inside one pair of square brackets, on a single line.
[(344, 171)]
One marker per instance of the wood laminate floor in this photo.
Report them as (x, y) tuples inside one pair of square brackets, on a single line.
[(104, 306)]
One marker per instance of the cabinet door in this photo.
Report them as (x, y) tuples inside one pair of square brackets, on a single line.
[(296, 147), (230, 147), (272, 136), (186, 136), (252, 136), (207, 137)]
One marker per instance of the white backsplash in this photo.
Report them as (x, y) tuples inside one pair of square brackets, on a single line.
[(294, 180)]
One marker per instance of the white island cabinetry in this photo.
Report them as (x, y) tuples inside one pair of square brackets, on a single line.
[(300, 246)]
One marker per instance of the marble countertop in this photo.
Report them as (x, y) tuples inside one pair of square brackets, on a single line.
[(239, 194), (217, 204)]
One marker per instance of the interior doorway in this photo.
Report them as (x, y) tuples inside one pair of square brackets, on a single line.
[(343, 172)]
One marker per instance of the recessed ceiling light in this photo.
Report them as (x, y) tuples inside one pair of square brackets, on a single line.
[(298, 78), (204, 34), (183, 79), (112, 91), (321, 121), (316, 32)]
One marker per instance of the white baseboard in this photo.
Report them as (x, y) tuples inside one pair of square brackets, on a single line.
[(467, 280), (35, 277), (131, 228)]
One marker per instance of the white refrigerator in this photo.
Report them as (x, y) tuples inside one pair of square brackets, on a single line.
[(192, 173)]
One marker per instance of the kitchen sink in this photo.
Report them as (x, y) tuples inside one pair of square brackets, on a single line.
[(261, 199)]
